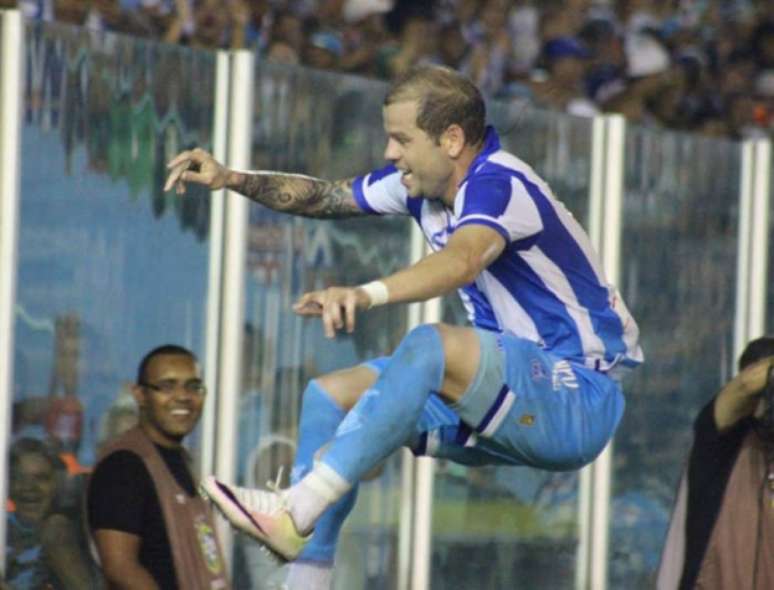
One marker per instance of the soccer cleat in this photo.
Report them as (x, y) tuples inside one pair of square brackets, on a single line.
[(261, 514)]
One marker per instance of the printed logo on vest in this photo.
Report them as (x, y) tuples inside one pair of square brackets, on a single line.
[(206, 538)]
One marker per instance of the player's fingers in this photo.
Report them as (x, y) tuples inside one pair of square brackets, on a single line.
[(333, 305), (174, 175), (179, 159), (303, 300), (309, 308), (197, 177), (327, 321), (350, 306)]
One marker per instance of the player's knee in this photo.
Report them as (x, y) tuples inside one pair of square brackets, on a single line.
[(423, 345)]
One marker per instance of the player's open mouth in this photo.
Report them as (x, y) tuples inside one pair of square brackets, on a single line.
[(181, 412)]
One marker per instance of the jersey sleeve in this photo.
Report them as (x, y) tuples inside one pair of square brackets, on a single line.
[(504, 205), (118, 492), (381, 193)]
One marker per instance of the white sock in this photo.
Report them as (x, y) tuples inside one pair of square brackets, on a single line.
[(311, 496), (309, 576)]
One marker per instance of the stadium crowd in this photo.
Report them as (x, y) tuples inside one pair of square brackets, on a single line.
[(698, 65)]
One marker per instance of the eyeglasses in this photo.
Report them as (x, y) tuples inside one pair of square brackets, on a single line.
[(168, 386)]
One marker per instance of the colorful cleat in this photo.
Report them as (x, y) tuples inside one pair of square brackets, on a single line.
[(261, 514)]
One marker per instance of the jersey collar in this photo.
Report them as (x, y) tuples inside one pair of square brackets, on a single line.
[(491, 145)]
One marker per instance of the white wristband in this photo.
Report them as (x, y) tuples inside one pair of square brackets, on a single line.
[(377, 292)]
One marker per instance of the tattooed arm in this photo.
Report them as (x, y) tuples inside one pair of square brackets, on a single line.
[(295, 194)]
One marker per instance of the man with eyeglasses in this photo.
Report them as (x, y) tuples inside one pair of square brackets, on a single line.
[(151, 529)]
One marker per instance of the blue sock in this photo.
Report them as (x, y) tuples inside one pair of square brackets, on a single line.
[(386, 415), (320, 417)]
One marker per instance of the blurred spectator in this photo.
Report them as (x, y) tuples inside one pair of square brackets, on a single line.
[(121, 417), (563, 88), (711, 61), (323, 49), (720, 532), (488, 62), (418, 44), (44, 549)]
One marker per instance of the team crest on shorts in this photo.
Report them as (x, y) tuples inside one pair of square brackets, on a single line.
[(206, 537)]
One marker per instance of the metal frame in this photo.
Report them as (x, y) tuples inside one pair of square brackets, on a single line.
[(752, 246), (215, 270), (605, 226), (11, 85), (229, 382), (416, 507)]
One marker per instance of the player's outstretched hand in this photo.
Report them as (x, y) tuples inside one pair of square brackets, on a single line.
[(336, 306), (195, 166)]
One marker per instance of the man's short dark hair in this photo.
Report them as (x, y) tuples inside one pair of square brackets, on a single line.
[(445, 97), (170, 349), (756, 350)]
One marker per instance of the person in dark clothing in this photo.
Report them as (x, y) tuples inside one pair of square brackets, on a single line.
[(722, 526), (143, 508)]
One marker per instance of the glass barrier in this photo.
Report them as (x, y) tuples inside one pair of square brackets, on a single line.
[(109, 267), (327, 126), (515, 527), (678, 277)]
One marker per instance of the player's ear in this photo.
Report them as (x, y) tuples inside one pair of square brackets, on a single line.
[(453, 140)]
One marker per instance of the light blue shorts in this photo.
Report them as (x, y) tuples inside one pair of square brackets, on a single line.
[(525, 406)]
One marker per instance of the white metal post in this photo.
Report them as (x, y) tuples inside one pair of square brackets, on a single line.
[(215, 270), (741, 323), (605, 226), (595, 225), (415, 527), (11, 85), (242, 74), (759, 238)]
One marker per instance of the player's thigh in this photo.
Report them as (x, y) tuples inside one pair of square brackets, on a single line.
[(462, 352)]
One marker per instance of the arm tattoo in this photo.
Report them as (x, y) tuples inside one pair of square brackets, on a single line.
[(301, 195)]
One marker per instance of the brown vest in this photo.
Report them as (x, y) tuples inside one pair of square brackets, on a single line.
[(742, 541), (199, 563)]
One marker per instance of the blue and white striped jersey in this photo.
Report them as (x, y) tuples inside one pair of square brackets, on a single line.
[(547, 285)]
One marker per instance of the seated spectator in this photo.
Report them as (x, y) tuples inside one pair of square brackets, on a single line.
[(44, 548)]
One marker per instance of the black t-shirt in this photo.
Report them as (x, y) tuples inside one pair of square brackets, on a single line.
[(122, 497)]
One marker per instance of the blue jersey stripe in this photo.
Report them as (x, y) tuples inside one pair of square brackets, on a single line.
[(564, 251), (556, 327), (483, 316), (414, 205), (357, 191)]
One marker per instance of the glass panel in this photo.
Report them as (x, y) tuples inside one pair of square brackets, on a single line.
[(515, 527), (109, 266), (678, 278), (327, 126)]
